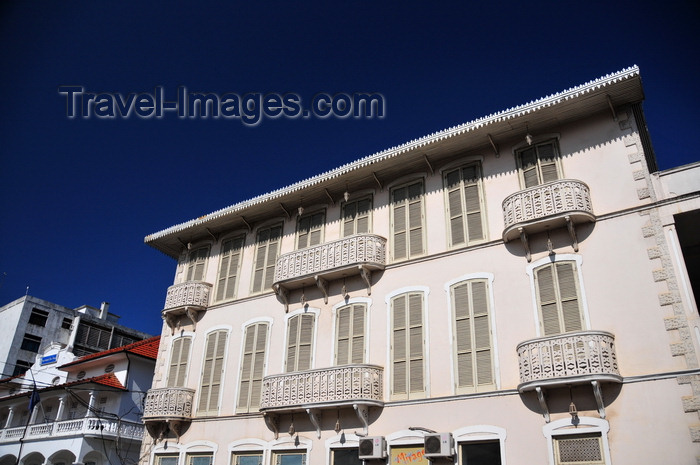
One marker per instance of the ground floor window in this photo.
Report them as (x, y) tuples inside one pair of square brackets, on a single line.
[(413, 455), (289, 458), (346, 457), (200, 459), (480, 453), (248, 458), (169, 459), (578, 449)]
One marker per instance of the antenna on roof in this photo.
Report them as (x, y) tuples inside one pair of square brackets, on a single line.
[(27, 291)]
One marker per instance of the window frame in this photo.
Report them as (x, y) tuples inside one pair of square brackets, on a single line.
[(407, 231), (180, 340), (583, 304), (518, 150), (300, 313), (560, 429), (209, 411), (267, 270), (337, 309), (191, 263), (250, 324), (343, 217), (487, 279), (310, 214), (31, 339), (463, 204), (425, 338), (276, 455), (231, 275), (38, 314)]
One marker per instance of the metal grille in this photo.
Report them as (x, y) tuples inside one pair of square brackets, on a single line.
[(579, 450)]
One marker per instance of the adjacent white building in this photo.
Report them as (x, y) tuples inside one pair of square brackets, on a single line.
[(517, 289), (30, 325), (87, 409)]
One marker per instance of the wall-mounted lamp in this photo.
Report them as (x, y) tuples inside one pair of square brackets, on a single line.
[(573, 412)]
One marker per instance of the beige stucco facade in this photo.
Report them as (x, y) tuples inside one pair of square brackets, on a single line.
[(622, 350)]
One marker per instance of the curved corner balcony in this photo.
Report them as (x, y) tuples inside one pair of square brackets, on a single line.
[(359, 254), (188, 298), (552, 205), (167, 409), (568, 359), (358, 386)]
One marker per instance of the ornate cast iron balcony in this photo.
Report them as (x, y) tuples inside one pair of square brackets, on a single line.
[(188, 298), (359, 254), (167, 408), (567, 359), (547, 206), (358, 386)]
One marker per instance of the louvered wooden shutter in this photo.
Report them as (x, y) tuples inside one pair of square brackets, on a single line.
[(228, 269), (528, 163), (548, 164), (350, 347), (363, 211), (473, 334), (408, 221), (407, 345), (464, 204), (349, 212), (309, 230), (197, 262), (299, 342), (265, 258), (272, 251), (212, 373), (252, 368), (455, 207), (560, 310), (471, 177), (179, 358)]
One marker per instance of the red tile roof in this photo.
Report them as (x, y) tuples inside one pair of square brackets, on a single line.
[(107, 379), (147, 348)]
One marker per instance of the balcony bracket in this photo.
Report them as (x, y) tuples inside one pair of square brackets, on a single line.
[(272, 422), (315, 418), (362, 412), (176, 426), (366, 275), (192, 314), (598, 393), (526, 244), (171, 321), (543, 403), (323, 285), (283, 294), (572, 232), (156, 429)]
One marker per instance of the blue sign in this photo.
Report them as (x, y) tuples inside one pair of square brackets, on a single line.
[(49, 359)]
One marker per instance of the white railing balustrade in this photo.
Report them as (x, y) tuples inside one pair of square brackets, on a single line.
[(165, 403), (584, 354), (190, 293), (110, 428), (554, 198), (353, 250), (324, 385)]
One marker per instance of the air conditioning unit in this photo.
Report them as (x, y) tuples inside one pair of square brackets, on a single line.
[(373, 447), (438, 445)]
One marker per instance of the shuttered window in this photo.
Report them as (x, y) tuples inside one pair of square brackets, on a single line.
[(356, 216), (267, 248), (179, 361), (473, 341), (212, 373), (252, 368), (310, 229), (407, 346), (579, 449), (231, 250), (196, 264), (407, 220), (300, 334), (465, 205), (538, 164), (558, 298), (350, 334)]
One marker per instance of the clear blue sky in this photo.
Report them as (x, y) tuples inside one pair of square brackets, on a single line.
[(77, 196)]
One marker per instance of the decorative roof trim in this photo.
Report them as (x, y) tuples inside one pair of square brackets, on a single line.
[(503, 115)]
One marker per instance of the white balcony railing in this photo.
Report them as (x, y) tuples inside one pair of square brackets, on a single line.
[(190, 293), (332, 386), (168, 403), (539, 203), (564, 359), (360, 249), (80, 427)]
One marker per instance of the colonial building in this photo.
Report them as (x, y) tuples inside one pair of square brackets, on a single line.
[(30, 325), (69, 409), (516, 289)]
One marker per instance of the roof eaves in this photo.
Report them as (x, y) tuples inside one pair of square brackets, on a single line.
[(514, 112)]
